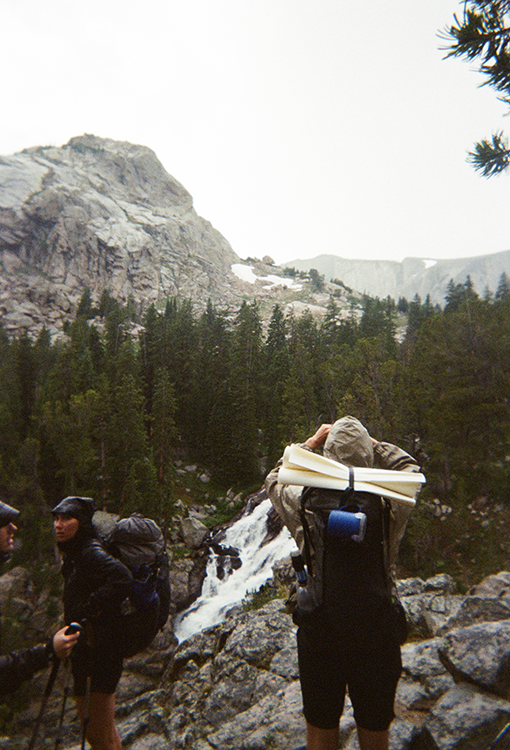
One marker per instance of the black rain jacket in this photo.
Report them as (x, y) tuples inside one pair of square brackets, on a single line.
[(95, 582)]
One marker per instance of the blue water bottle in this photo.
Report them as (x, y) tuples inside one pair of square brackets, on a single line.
[(346, 524)]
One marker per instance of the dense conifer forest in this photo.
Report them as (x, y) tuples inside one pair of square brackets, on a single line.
[(108, 410)]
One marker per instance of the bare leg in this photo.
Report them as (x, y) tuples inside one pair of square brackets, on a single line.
[(101, 730), (321, 739), (369, 740)]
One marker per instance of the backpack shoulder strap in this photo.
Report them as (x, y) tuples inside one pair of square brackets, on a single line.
[(386, 541), (346, 494), (307, 491)]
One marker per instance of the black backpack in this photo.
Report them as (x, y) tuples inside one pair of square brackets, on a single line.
[(139, 544), (349, 577)]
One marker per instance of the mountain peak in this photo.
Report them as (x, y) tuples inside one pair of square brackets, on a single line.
[(101, 214)]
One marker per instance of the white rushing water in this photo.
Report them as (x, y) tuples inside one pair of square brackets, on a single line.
[(218, 596)]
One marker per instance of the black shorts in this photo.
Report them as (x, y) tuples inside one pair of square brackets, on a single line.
[(326, 669), (103, 662)]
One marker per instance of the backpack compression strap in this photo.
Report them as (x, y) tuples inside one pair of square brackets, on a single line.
[(307, 491), (306, 528)]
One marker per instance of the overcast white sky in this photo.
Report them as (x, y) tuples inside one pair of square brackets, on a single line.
[(299, 127)]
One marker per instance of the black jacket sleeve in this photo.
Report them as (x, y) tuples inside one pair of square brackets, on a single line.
[(20, 665), (109, 581)]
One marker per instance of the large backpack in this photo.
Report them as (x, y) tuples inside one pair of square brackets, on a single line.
[(347, 577), (139, 544)]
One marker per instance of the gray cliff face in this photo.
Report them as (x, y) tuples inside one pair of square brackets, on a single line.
[(101, 214), (412, 276)]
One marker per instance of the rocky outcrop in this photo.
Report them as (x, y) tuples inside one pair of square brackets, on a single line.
[(193, 532), (235, 686), (101, 214), (186, 577)]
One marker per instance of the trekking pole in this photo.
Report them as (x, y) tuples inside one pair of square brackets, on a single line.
[(74, 627), (49, 687), (86, 706), (47, 693), (85, 720), (504, 735), (58, 738)]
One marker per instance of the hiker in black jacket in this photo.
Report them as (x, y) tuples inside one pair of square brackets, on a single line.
[(352, 639), (21, 665), (95, 585)]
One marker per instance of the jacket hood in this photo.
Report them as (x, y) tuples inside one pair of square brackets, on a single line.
[(349, 443)]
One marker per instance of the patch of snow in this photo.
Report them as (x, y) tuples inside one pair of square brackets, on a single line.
[(245, 273), (280, 281), (429, 263)]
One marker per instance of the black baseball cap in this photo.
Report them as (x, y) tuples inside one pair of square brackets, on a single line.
[(8, 514)]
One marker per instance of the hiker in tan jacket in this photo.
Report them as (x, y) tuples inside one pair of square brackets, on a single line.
[(331, 655)]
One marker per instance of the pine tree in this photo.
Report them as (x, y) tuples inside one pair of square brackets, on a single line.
[(503, 290), (330, 326), (276, 359), (417, 314), (483, 34), (460, 393), (178, 344), (374, 388), (69, 432), (131, 476), (150, 353), (378, 319), (26, 373), (115, 322), (85, 309), (11, 421), (211, 415), (244, 394), (459, 294), (301, 388), (164, 432)]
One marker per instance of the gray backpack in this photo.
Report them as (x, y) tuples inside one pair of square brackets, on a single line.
[(139, 544)]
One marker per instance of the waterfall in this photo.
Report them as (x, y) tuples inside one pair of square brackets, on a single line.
[(221, 594)]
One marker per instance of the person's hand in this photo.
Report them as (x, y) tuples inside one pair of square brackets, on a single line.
[(317, 440), (63, 644)]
